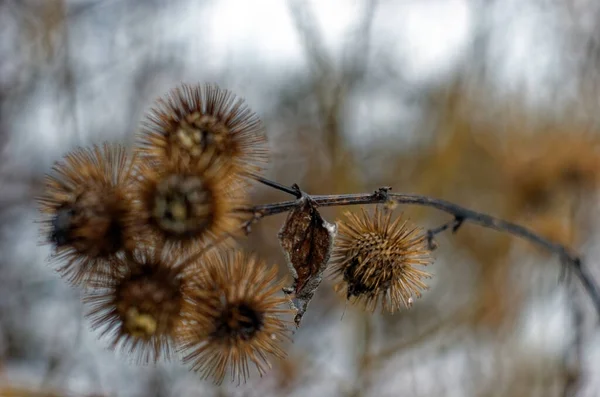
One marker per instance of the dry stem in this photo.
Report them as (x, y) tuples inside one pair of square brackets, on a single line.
[(460, 215)]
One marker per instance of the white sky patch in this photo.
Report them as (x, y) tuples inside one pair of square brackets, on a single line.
[(426, 38), (42, 134), (264, 32), (414, 43), (542, 328), (262, 29), (526, 50), (419, 42), (378, 114), (335, 18)]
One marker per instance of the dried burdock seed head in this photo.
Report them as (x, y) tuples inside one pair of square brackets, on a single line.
[(138, 309), (183, 207), (233, 317), (86, 207), (204, 124), (375, 260)]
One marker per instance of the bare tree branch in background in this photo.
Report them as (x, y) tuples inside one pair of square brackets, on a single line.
[(358, 48), (332, 83), (306, 24)]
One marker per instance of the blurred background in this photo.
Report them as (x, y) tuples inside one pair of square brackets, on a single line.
[(492, 104)]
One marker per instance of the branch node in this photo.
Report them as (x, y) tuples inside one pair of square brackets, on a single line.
[(431, 243), (299, 193), (458, 221), (382, 193), (454, 224), (277, 186), (247, 226)]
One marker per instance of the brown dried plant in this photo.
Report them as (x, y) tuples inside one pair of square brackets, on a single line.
[(86, 208), (183, 206), (204, 123), (151, 240), (375, 260), (233, 317), (537, 178), (549, 168), (139, 308)]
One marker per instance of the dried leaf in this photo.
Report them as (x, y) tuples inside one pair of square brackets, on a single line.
[(307, 241)]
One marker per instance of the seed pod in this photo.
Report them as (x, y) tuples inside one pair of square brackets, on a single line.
[(182, 207), (86, 208), (374, 260), (204, 124), (138, 309), (232, 317)]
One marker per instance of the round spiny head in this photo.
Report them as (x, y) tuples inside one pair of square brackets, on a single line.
[(204, 124), (183, 207), (138, 309), (86, 208), (375, 259), (232, 317)]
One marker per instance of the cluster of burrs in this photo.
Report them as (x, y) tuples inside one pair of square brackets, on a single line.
[(151, 237)]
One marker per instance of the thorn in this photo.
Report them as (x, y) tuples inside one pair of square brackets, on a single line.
[(298, 191), (458, 221), (431, 242)]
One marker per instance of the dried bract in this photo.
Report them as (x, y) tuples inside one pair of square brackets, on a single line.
[(374, 260), (139, 308), (206, 124), (233, 317), (307, 242), (86, 207)]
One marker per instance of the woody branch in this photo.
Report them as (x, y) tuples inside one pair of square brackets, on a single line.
[(460, 215)]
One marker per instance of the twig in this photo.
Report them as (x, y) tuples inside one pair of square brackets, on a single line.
[(359, 44), (463, 214), (455, 224), (294, 190), (310, 36), (574, 355)]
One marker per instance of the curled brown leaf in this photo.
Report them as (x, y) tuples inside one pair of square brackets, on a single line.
[(307, 242)]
